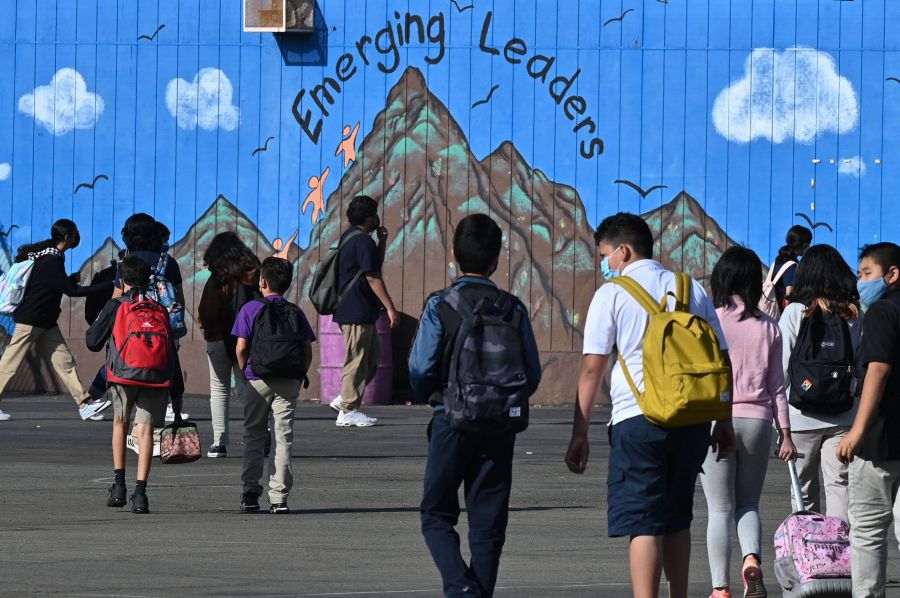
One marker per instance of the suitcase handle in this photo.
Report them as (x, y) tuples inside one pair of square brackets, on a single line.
[(795, 482)]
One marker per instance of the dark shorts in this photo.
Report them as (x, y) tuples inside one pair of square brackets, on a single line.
[(652, 475)]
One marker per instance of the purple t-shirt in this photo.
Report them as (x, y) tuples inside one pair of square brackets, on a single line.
[(243, 327)]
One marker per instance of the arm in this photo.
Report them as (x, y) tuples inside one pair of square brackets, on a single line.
[(873, 389), (98, 333), (242, 352), (593, 369), (425, 355), (789, 326), (775, 387), (375, 281), (307, 347), (532, 355)]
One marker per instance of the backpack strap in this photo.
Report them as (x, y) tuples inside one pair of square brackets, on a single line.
[(781, 271), (682, 292), (161, 265), (637, 293)]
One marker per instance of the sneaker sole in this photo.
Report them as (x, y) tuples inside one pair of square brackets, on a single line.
[(753, 583), (115, 503), (343, 425), (216, 455), (249, 509)]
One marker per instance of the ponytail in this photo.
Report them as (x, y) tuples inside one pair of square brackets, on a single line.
[(797, 241), (61, 229)]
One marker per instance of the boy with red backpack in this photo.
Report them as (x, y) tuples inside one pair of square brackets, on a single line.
[(140, 363)]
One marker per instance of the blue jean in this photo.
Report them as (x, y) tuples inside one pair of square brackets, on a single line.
[(484, 466)]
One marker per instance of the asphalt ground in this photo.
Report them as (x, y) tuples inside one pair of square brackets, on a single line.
[(354, 525)]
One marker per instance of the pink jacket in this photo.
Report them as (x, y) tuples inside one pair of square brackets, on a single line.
[(754, 346)]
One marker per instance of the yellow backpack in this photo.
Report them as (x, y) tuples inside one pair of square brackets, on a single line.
[(687, 380)]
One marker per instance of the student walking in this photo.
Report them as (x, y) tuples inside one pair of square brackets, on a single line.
[(139, 379), (734, 483), (274, 351), (652, 469), (796, 242), (364, 295), (872, 446), (824, 294), (233, 281), (36, 318), (482, 458)]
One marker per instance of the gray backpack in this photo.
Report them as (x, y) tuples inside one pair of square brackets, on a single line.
[(324, 291), (487, 386)]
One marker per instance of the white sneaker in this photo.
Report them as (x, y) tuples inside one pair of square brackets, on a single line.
[(93, 407), (354, 418), (97, 418), (336, 403), (170, 414), (4, 416), (132, 443)]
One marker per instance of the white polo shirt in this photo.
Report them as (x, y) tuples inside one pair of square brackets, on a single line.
[(616, 321)]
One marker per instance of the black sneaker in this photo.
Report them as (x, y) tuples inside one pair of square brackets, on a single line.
[(279, 508), (268, 448), (116, 496), (139, 504), (217, 452), (249, 501)]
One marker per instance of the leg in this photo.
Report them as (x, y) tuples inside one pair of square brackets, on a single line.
[(150, 413), (120, 431), (810, 445), (144, 435), (718, 487), (23, 338), (373, 354), (439, 510), (871, 502), (256, 418), (52, 344), (676, 549), (353, 376), (645, 559), (220, 366), (98, 386), (754, 447), (284, 403), (488, 482), (835, 474)]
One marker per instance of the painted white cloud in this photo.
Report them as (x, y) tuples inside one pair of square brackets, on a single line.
[(855, 167), (205, 102), (63, 105), (5, 171), (797, 93)]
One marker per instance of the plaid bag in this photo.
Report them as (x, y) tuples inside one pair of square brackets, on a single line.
[(179, 442)]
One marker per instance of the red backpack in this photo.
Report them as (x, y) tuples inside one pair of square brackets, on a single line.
[(139, 352)]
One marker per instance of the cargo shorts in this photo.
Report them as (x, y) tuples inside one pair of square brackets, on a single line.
[(149, 404)]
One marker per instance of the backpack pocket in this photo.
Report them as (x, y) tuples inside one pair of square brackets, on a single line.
[(822, 388), (695, 393)]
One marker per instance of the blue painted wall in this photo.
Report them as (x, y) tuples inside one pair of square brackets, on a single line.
[(756, 109)]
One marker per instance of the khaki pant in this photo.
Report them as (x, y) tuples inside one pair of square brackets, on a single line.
[(820, 448), (278, 396), (361, 363), (49, 344)]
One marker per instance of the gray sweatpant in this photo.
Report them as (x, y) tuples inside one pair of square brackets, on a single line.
[(732, 487)]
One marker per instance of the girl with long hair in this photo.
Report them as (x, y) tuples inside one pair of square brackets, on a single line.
[(233, 281), (796, 242), (734, 483), (824, 282), (37, 315)]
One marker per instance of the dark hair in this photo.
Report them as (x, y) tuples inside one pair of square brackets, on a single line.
[(797, 241), (361, 207), (738, 272), (61, 229), (278, 274), (825, 281), (140, 233), (134, 272), (626, 229), (476, 244), (227, 258), (885, 254), (163, 232)]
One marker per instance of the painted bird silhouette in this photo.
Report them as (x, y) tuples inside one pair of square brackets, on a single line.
[(813, 225), (619, 18), (638, 188), (5, 233), (895, 79), (487, 98), (264, 148), (461, 8), (92, 183), (150, 38)]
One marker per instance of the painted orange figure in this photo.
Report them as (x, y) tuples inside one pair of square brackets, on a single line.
[(348, 145), (316, 197), (281, 248)]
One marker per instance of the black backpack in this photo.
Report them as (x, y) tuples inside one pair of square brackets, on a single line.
[(324, 290), (278, 348), (821, 367), (487, 386)]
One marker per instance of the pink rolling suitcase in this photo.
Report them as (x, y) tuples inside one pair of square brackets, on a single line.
[(812, 552)]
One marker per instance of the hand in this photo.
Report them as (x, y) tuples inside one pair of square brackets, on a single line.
[(75, 277), (787, 450), (382, 234), (577, 454), (849, 445), (722, 440), (393, 317)]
